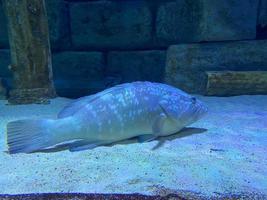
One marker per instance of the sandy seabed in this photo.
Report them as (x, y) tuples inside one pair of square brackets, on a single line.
[(223, 153)]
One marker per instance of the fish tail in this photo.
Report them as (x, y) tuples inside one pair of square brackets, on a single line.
[(26, 136)]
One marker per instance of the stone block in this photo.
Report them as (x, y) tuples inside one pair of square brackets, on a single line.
[(107, 24), (78, 65), (78, 73), (187, 63), (3, 90), (206, 20), (4, 63), (262, 20), (58, 20), (228, 83), (263, 13), (178, 22), (229, 20), (3, 28), (78, 88), (137, 65)]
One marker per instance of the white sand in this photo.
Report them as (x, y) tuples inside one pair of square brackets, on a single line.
[(229, 158)]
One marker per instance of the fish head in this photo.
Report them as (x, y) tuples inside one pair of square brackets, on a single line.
[(195, 110), (184, 109)]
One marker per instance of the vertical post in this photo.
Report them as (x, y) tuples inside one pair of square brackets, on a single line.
[(30, 52)]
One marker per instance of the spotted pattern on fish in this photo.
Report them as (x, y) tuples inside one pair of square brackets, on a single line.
[(140, 109), (130, 109)]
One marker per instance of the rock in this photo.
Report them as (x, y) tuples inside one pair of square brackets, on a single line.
[(206, 20), (58, 21), (137, 65), (3, 91), (78, 73), (187, 63), (226, 83), (3, 30), (105, 24)]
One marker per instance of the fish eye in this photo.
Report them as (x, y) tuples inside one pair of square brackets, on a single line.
[(194, 100)]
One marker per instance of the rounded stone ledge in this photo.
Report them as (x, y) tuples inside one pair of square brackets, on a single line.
[(28, 96)]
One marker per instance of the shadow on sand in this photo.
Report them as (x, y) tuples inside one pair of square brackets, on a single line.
[(183, 133)]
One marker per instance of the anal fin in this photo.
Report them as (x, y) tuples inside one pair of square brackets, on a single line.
[(85, 145), (63, 144)]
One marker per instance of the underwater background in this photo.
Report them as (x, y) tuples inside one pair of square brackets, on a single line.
[(96, 44), (215, 49)]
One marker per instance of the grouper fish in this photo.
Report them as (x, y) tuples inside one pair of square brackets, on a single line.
[(140, 109)]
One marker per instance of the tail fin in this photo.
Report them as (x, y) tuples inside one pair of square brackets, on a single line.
[(26, 136)]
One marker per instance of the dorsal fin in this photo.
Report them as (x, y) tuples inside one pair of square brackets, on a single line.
[(79, 103), (74, 106)]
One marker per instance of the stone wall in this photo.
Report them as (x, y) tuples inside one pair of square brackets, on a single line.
[(186, 64), (100, 43)]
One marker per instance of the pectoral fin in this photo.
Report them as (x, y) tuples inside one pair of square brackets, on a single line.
[(157, 128), (146, 138), (158, 124)]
